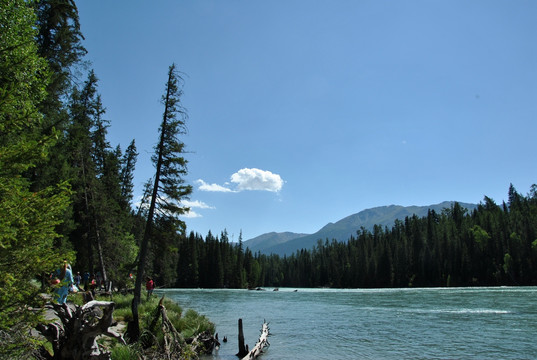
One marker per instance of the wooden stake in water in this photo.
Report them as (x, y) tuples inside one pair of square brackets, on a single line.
[(242, 349)]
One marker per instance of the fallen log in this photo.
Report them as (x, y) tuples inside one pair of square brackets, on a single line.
[(75, 335), (261, 344)]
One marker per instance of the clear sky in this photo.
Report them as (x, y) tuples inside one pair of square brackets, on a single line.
[(304, 112)]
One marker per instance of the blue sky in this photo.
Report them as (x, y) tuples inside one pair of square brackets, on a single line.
[(304, 112)]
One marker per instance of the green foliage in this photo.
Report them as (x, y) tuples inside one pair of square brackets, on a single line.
[(16, 345), (125, 352), (507, 263), (480, 235), (189, 326), (23, 79), (119, 252), (29, 218), (26, 234), (193, 323), (60, 42), (169, 187)]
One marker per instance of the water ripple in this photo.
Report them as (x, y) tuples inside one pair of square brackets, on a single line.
[(477, 323)]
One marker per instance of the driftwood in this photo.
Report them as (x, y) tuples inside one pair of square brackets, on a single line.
[(173, 340), (74, 336), (261, 344), (204, 342)]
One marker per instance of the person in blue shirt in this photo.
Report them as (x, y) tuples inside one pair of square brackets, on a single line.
[(63, 283)]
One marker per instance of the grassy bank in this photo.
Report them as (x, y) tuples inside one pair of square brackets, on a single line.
[(188, 323)]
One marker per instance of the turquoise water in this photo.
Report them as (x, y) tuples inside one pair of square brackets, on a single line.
[(439, 323)]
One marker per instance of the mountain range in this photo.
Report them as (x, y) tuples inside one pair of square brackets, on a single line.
[(287, 243)]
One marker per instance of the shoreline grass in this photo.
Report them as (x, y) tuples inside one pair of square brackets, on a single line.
[(188, 323)]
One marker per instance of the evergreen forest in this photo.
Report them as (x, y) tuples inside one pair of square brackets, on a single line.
[(493, 245), (66, 192)]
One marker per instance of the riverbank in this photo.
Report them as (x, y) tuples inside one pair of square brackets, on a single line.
[(158, 318)]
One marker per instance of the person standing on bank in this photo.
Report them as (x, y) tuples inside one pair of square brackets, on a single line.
[(63, 282), (149, 286), (86, 279), (78, 280)]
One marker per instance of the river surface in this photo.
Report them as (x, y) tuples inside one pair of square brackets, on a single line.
[(432, 323)]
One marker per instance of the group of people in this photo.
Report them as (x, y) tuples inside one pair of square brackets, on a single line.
[(64, 282), (90, 282)]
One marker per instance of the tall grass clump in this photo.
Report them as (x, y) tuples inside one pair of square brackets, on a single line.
[(125, 352), (188, 325), (193, 323)]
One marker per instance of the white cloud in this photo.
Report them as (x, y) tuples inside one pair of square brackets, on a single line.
[(196, 204), (246, 179), (191, 215), (256, 179), (203, 186)]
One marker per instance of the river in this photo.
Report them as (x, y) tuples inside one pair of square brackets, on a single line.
[(424, 323)]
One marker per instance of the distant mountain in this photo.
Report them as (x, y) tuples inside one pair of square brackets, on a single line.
[(262, 242), (288, 243)]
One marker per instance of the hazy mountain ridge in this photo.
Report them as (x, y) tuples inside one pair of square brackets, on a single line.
[(287, 243), (270, 239)]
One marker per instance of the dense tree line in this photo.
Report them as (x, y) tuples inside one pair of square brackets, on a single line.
[(215, 262), (492, 245)]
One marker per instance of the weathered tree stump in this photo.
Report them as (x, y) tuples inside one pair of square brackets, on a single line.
[(261, 344), (74, 337), (242, 348)]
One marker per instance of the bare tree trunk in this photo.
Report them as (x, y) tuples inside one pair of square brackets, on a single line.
[(100, 254), (86, 204)]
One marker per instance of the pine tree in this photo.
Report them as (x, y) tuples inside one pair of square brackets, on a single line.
[(127, 174), (83, 173), (239, 280), (59, 41), (169, 187)]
